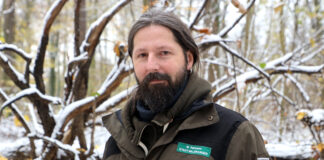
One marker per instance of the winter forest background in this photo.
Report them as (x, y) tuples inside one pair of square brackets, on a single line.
[(64, 65)]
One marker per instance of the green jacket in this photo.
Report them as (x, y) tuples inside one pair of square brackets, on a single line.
[(194, 128)]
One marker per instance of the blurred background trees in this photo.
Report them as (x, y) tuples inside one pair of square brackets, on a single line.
[(268, 66)]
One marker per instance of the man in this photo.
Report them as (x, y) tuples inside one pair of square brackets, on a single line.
[(171, 116)]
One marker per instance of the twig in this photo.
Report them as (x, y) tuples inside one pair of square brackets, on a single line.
[(224, 31), (94, 116), (233, 52), (198, 14), (221, 64), (300, 88), (236, 88)]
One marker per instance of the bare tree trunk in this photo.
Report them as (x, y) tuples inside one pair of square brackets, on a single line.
[(283, 50), (293, 45), (282, 31), (77, 127), (213, 11), (9, 20)]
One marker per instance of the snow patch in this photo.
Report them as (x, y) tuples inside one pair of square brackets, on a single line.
[(290, 151)]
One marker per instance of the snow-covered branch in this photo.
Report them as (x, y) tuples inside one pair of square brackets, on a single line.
[(15, 110), (20, 117), (310, 55), (299, 87), (271, 68), (30, 92), (96, 28), (21, 53), (81, 58), (115, 100), (87, 48), (113, 80), (119, 72), (211, 40), (15, 76), (59, 144), (298, 69), (198, 14), (39, 62)]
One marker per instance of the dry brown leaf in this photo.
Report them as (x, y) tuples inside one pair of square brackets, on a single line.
[(278, 8), (204, 30), (239, 6), (116, 49)]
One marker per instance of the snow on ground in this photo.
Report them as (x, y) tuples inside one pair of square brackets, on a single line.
[(13, 138), (290, 150), (100, 138)]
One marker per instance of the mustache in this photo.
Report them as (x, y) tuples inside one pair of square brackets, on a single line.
[(156, 76)]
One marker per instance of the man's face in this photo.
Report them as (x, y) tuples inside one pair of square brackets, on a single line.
[(156, 50), (159, 64)]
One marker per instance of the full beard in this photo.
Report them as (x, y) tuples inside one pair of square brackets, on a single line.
[(158, 97)]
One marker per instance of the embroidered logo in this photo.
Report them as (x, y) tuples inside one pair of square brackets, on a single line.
[(194, 149)]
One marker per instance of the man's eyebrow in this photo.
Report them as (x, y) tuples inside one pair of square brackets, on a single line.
[(164, 47), (139, 50)]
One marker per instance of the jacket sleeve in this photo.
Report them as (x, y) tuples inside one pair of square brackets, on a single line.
[(110, 148), (247, 144)]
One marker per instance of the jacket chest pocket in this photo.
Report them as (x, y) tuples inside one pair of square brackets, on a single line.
[(176, 152)]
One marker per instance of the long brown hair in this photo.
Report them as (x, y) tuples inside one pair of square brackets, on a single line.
[(167, 19)]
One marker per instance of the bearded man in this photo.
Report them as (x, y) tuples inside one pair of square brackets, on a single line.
[(171, 115)]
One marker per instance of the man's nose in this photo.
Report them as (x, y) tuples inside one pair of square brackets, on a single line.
[(152, 63)]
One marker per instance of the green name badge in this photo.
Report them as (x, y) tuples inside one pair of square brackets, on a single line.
[(194, 149)]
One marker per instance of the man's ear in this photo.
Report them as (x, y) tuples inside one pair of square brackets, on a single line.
[(190, 60)]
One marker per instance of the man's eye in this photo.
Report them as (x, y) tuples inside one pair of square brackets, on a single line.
[(165, 52), (141, 55)]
